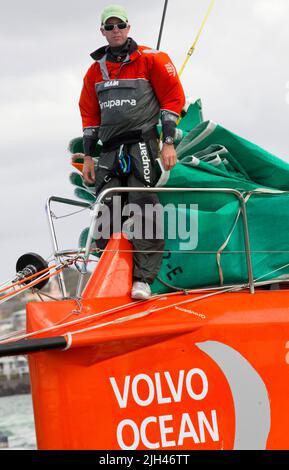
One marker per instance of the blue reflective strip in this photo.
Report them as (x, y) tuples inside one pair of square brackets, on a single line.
[(129, 163), (125, 163)]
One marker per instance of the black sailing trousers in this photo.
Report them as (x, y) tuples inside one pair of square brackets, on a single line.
[(133, 165)]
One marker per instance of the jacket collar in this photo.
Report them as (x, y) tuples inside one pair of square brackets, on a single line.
[(99, 53)]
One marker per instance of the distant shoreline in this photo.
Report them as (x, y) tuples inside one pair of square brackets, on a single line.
[(22, 389)]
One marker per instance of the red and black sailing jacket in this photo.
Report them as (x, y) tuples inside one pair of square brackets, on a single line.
[(118, 97)]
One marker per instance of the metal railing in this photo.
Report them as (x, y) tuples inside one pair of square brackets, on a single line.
[(56, 253), (95, 210)]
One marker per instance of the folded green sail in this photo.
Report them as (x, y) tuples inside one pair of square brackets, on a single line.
[(262, 167), (85, 195), (210, 156)]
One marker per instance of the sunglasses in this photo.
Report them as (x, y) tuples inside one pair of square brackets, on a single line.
[(110, 27)]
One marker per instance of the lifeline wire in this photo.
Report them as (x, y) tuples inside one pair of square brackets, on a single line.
[(130, 305), (109, 311), (216, 291), (56, 217), (146, 312)]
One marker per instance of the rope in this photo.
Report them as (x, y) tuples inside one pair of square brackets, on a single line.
[(25, 279), (217, 291), (5, 283), (44, 294), (33, 283), (134, 316), (11, 335), (271, 272), (40, 278), (148, 312), (185, 252), (191, 50), (43, 277), (59, 324), (119, 308), (171, 286), (79, 320), (69, 214), (35, 292), (224, 245)]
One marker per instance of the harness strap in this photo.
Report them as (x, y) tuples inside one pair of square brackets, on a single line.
[(129, 137)]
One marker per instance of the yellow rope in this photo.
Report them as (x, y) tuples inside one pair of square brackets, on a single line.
[(197, 37)]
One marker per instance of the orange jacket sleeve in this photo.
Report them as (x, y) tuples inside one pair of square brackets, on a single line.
[(88, 102), (166, 83)]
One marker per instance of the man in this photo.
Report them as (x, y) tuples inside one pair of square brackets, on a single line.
[(124, 92)]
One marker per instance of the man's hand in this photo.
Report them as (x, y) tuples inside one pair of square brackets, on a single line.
[(168, 156), (88, 169)]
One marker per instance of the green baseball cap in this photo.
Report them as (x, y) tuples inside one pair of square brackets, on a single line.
[(116, 11)]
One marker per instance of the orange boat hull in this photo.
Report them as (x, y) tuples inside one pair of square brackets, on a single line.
[(175, 372)]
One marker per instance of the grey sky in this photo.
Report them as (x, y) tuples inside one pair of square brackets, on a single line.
[(240, 70)]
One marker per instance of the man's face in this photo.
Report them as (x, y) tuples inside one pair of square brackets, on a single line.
[(117, 37)]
